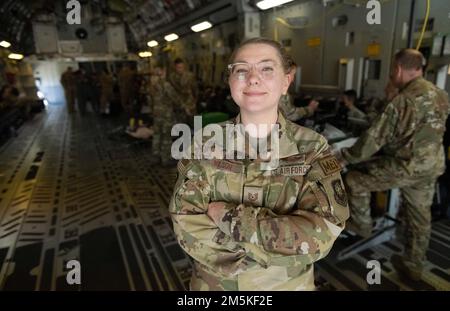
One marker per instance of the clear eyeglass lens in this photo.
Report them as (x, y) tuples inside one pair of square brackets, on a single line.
[(241, 71)]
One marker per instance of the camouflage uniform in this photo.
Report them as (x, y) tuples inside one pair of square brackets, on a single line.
[(409, 133), (164, 98), (291, 112), (68, 82), (186, 87), (106, 90), (374, 108), (354, 112), (127, 85), (276, 223)]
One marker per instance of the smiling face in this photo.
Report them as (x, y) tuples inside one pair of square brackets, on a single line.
[(258, 90)]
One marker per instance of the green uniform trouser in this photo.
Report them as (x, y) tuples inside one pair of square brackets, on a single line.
[(416, 197), (162, 140)]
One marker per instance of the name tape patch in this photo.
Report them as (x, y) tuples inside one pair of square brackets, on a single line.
[(292, 170)]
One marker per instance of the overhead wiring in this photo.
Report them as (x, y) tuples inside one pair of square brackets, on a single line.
[(424, 27)]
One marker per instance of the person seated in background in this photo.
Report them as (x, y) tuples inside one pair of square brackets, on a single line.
[(286, 105), (10, 98), (349, 99)]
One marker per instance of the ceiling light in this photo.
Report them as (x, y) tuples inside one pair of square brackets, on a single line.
[(201, 26), (152, 43), (15, 56), (171, 37), (145, 54), (267, 4), (5, 44)]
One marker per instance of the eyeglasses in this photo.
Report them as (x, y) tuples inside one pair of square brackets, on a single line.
[(241, 71)]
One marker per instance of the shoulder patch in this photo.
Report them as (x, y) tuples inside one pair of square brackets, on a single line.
[(339, 193), (329, 165)]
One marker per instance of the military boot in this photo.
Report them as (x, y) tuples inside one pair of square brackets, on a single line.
[(405, 268)]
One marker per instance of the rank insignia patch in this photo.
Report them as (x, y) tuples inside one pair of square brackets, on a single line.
[(253, 195)]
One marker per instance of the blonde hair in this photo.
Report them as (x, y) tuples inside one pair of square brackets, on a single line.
[(286, 59)]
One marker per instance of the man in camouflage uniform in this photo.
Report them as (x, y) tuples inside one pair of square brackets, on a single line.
[(69, 84), (164, 99), (184, 83), (409, 133), (253, 229)]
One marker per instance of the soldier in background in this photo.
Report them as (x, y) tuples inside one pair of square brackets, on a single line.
[(409, 134), (68, 82), (349, 99), (83, 90), (248, 228), (94, 91), (106, 91), (184, 83), (126, 81), (287, 107), (164, 98)]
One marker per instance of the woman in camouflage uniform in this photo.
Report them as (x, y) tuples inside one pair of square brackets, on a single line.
[(248, 228)]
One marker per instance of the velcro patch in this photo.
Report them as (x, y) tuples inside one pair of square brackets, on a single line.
[(292, 170), (253, 195), (227, 166), (329, 165)]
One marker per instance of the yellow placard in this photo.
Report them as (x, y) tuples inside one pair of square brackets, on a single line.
[(373, 49), (313, 42)]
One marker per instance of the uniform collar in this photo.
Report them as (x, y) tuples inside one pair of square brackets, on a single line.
[(411, 83), (287, 145)]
